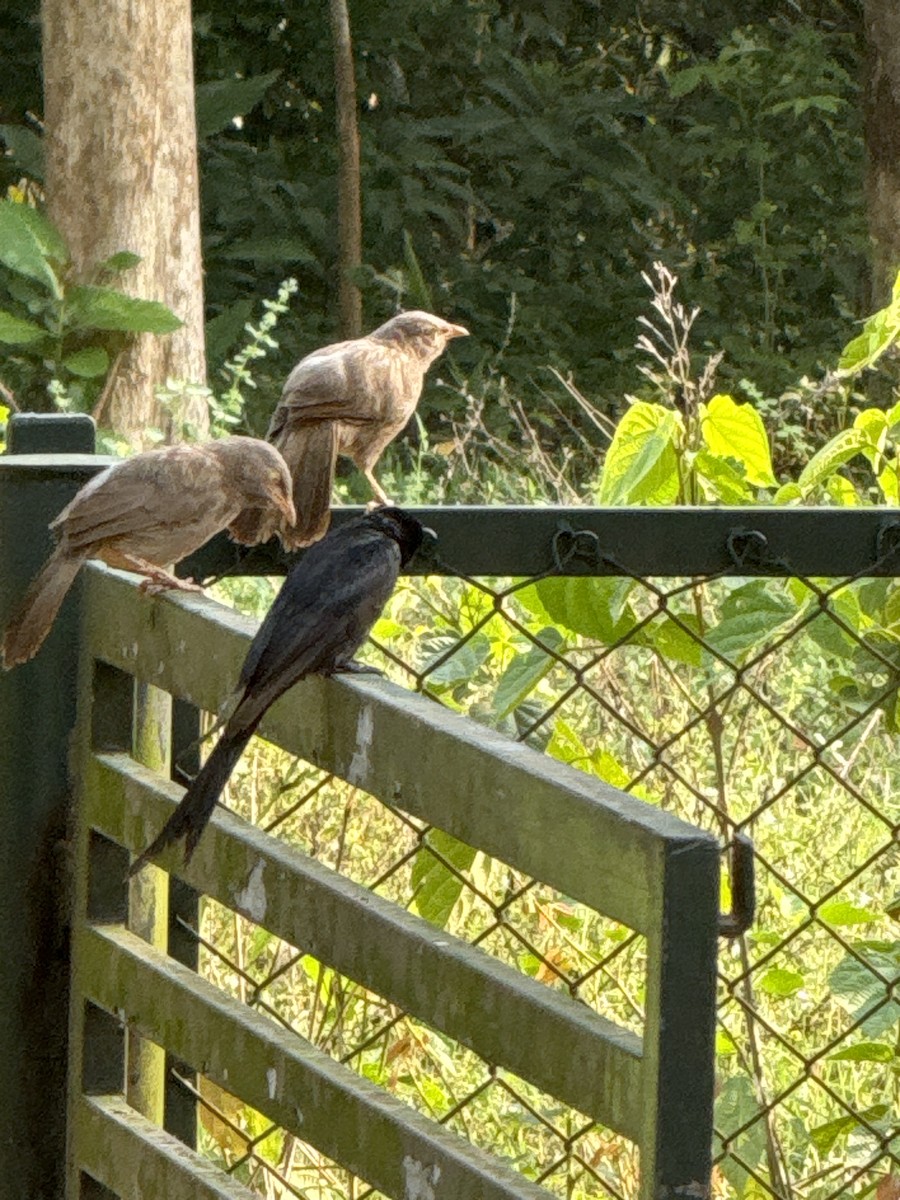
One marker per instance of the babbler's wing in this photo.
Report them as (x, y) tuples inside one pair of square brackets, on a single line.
[(334, 384), (162, 489)]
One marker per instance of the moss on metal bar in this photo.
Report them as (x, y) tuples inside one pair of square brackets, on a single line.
[(375, 1135), (137, 1160), (555, 1042), (607, 848)]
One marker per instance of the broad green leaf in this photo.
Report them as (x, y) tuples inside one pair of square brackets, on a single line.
[(844, 912), (737, 1108), (844, 446), (45, 233), (122, 260), (417, 285), (779, 982), (566, 746), (801, 104), (787, 493), (879, 333), (259, 942), (874, 421), (862, 993), (437, 887), (525, 672), (22, 249), (682, 83), (864, 1052), (725, 1045), (461, 666), (274, 249), (88, 363), (736, 431), (825, 1137), (673, 640), (224, 329), (221, 100), (594, 608), (27, 149), (749, 617), (14, 331), (889, 484), (91, 307), (721, 479), (832, 639), (841, 492), (641, 466)]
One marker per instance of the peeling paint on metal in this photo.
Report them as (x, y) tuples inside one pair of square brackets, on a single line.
[(359, 763), (272, 1082), (420, 1180), (252, 899)]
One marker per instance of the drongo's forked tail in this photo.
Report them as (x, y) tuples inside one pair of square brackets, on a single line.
[(192, 815)]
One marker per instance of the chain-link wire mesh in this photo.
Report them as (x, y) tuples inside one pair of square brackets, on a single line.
[(758, 705)]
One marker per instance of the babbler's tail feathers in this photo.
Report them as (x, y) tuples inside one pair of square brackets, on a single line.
[(309, 451), (192, 815), (32, 620)]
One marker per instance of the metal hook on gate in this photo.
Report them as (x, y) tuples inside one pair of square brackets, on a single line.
[(747, 547), (569, 543), (743, 889), (887, 540)]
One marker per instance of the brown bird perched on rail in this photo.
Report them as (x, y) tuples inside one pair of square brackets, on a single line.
[(351, 398), (144, 513)]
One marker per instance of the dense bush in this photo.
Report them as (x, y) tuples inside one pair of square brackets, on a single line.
[(522, 165)]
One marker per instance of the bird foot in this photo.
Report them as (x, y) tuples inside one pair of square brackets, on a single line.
[(162, 581), (352, 667)]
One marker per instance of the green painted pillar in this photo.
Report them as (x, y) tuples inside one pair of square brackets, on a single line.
[(48, 460)]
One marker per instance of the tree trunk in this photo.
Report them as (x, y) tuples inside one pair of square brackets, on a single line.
[(349, 204), (121, 174), (882, 124)]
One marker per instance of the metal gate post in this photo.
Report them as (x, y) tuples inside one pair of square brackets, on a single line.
[(37, 713)]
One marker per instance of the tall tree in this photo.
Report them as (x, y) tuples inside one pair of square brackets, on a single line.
[(882, 120), (349, 205), (121, 174)]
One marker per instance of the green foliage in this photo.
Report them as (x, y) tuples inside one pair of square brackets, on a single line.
[(58, 330), (229, 409), (565, 147), (438, 875)]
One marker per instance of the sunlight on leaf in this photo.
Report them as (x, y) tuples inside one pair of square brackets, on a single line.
[(641, 465), (736, 431)]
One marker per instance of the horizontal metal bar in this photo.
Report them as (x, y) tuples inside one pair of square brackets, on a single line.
[(661, 542), (519, 541), (354, 1122), (137, 1160), (498, 795), (557, 1043)]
